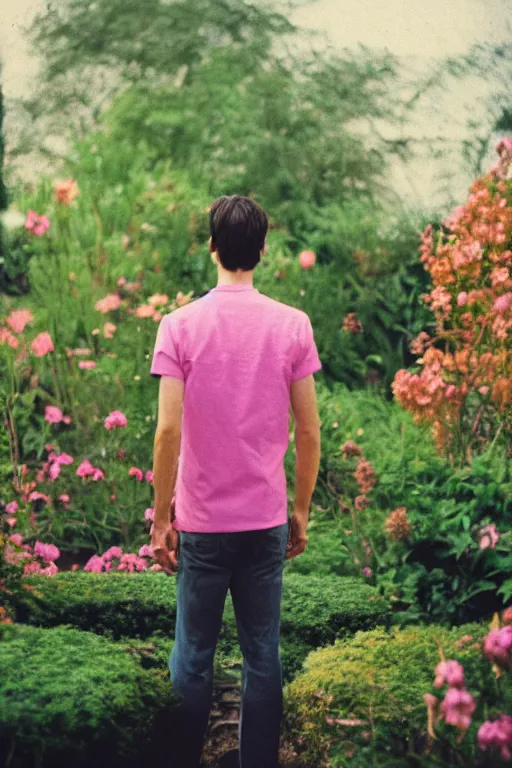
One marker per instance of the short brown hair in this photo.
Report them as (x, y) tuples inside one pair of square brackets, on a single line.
[(238, 227)]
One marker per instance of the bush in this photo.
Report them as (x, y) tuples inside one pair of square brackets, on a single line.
[(373, 685), (69, 697), (315, 610)]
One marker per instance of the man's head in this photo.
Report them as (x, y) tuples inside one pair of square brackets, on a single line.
[(238, 228)]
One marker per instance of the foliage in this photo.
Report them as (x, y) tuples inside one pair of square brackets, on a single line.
[(360, 701), (464, 385), (315, 609), (71, 697)]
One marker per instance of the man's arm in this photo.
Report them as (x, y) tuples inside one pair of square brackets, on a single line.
[(165, 467)]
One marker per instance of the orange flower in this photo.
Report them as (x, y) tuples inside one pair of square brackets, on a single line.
[(66, 191)]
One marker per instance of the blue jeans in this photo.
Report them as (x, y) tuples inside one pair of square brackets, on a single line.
[(249, 564)]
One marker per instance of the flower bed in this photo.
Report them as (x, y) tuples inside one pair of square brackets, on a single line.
[(361, 702)]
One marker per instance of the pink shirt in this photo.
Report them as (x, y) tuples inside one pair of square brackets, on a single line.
[(237, 351)]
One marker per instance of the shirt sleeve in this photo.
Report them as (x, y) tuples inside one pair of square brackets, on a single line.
[(165, 354), (306, 359)]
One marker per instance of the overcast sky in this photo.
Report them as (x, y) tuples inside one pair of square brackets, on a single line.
[(423, 31)]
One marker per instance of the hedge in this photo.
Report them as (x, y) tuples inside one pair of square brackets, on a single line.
[(69, 697), (378, 678), (315, 610)]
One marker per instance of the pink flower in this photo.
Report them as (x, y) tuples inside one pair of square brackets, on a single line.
[(145, 310), (94, 564), (367, 572), (11, 521), (503, 303), (18, 319), (497, 734), (149, 476), (11, 508), (6, 337), (149, 514), (85, 365), (61, 458), (98, 474), (31, 567), (115, 419), (42, 344), (54, 471), (498, 645), (16, 539), (109, 329), (145, 551), (307, 259), (48, 552), (458, 706), (50, 570), (109, 303), (36, 224), (488, 537), (85, 469), (462, 299), (450, 672), (113, 552), (136, 472), (35, 495), (52, 414)]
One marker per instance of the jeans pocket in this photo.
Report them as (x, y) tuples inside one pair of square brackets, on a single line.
[(200, 543)]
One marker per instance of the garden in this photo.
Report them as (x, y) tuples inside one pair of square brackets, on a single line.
[(396, 630)]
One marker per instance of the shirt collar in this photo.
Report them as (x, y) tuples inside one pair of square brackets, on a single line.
[(235, 287)]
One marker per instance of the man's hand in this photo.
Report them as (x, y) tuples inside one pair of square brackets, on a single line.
[(165, 546), (297, 539)]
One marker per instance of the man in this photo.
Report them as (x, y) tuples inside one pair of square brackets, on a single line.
[(231, 364)]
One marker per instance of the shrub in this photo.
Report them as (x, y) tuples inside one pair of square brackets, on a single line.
[(69, 697), (360, 701), (315, 610)]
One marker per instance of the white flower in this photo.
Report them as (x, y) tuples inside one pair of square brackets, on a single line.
[(12, 219)]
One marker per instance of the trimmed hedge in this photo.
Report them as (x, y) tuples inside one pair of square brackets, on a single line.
[(69, 697), (315, 610), (378, 678)]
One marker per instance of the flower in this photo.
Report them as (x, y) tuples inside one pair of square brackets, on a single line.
[(498, 646), (66, 191), (60, 458), (145, 551), (48, 552), (85, 469), (349, 448), (149, 476), (136, 472), (6, 337), (462, 299), (497, 734), (397, 525), (113, 552), (149, 514), (17, 539), (42, 344), (36, 224), (109, 329), (307, 259), (158, 299), (11, 508), (503, 303), (94, 564), (458, 706), (85, 365), (450, 672), (35, 496), (52, 414), (365, 476), (12, 219), (367, 572), (18, 319), (488, 537), (352, 324), (54, 470), (145, 310), (361, 502), (506, 617), (109, 303), (115, 419)]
